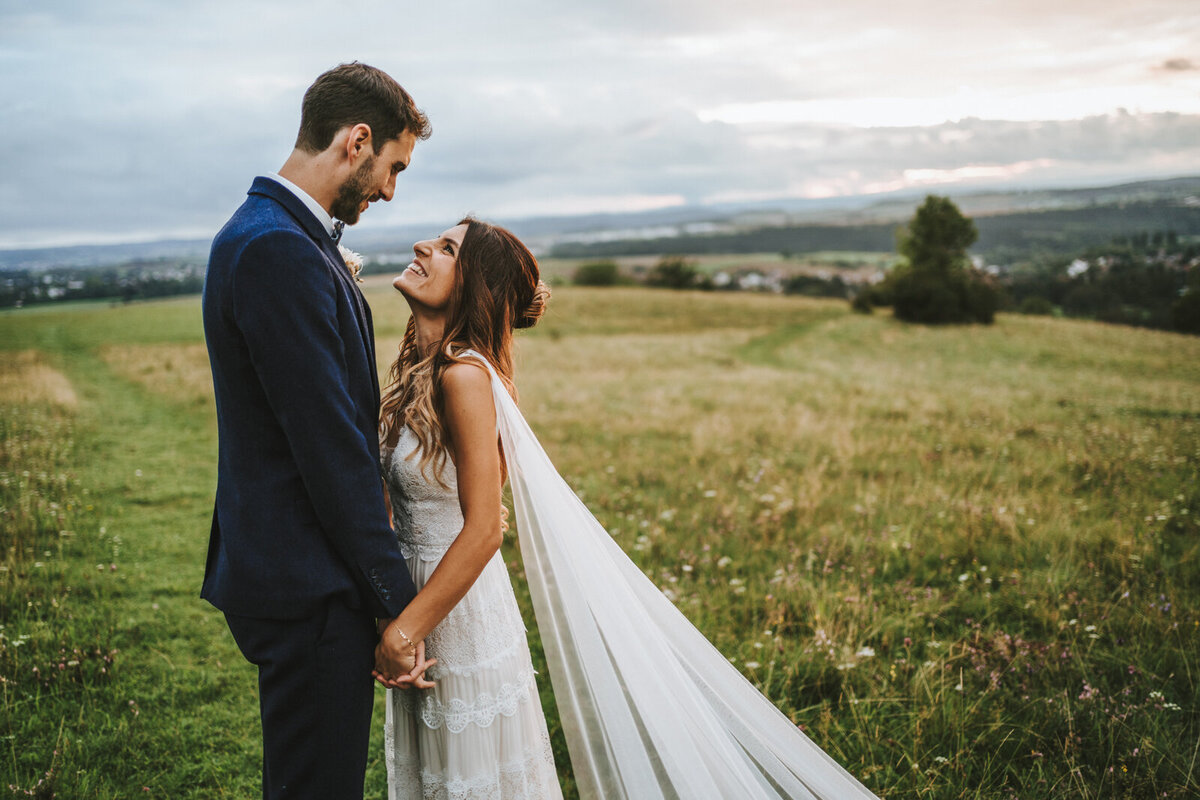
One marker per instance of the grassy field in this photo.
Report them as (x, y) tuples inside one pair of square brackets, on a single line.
[(964, 560)]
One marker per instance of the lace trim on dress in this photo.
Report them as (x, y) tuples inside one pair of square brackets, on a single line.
[(424, 552), (481, 712), (440, 670), (512, 779)]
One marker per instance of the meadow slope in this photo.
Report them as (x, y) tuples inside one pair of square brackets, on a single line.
[(964, 560)]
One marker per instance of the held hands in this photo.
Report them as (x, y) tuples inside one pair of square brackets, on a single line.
[(400, 664)]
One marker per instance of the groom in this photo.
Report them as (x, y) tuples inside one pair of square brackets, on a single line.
[(302, 558)]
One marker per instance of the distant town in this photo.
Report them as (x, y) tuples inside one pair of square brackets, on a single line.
[(1124, 254)]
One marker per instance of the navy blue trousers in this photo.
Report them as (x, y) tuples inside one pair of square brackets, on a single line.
[(315, 693)]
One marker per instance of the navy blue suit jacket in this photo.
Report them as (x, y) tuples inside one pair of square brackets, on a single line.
[(299, 514)]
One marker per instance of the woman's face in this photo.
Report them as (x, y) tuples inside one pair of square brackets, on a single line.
[(429, 279)]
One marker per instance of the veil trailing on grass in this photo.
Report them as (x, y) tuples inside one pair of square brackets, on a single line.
[(650, 709)]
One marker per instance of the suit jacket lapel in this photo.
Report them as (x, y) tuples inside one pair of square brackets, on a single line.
[(365, 327)]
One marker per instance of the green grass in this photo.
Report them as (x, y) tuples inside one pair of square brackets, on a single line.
[(963, 559)]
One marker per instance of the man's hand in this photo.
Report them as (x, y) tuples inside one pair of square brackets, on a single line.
[(398, 665)]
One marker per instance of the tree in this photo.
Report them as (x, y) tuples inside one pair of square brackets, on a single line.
[(938, 237), (937, 284), (674, 272)]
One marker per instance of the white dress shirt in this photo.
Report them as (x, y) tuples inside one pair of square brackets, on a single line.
[(316, 208)]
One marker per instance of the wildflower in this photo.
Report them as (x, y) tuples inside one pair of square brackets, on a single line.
[(865, 652), (752, 665), (724, 561), (963, 578)]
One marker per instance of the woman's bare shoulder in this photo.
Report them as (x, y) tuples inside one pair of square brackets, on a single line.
[(466, 377)]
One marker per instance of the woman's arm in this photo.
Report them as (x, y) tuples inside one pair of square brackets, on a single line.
[(471, 420), (387, 503)]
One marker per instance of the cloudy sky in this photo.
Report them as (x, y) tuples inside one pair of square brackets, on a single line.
[(139, 119)]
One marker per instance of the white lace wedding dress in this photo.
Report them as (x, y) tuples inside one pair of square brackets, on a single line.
[(480, 733), (649, 708)]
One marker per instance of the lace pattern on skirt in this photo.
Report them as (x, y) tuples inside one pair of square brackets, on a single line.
[(456, 714), (511, 779)]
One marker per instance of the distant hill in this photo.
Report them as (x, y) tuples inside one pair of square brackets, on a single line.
[(1176, 190), (1021, 219), (1007, 236)]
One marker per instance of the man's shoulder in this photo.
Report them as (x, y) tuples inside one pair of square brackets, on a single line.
[(260, 222), (259, 216)]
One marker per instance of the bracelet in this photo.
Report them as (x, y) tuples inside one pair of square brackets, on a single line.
[(407, 640)]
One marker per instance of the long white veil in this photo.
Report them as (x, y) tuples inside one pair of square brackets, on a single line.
[(650, 709)]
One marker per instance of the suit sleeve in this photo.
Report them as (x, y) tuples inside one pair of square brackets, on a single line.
[(285, 304)]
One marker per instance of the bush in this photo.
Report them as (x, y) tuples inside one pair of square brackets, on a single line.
[(812, 286), (861, 303), (1185, 312), (983, 297), (674, 272), (1036, 304), (938, 298), (597, 273), (880, 294)]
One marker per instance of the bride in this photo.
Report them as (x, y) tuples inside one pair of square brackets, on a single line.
[(650, 709)]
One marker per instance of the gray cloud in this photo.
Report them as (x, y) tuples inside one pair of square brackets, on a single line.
[(136, 118)]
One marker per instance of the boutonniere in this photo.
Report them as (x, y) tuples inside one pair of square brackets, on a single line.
[(354, 262)]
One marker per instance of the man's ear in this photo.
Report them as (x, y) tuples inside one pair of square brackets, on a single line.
[(358, 143)]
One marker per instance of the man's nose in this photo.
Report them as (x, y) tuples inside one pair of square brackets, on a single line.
[(389, 189)]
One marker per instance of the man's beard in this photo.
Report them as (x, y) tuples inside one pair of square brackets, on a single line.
[(352, 193)]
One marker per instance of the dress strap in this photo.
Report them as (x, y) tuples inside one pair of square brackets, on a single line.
[(469, 353)]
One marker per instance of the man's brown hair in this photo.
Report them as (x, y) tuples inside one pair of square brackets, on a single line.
[(352, 93)]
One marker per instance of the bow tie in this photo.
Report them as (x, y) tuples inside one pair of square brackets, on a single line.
[(338, 225)]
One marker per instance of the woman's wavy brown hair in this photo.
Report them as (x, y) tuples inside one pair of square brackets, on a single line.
[(496, 289)]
